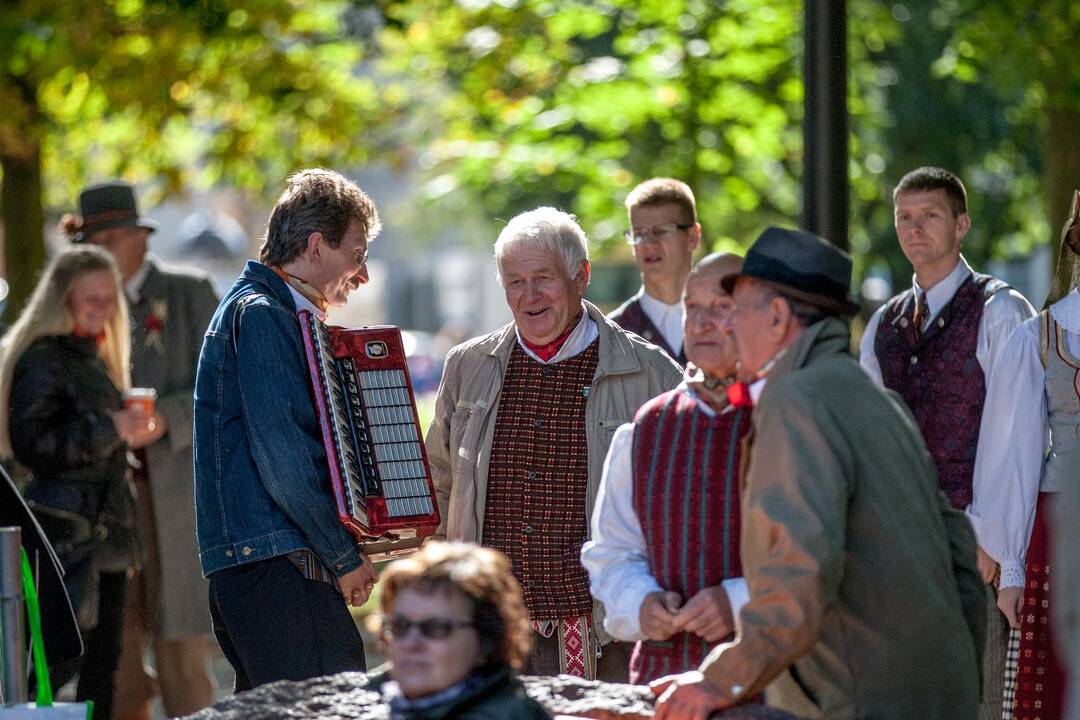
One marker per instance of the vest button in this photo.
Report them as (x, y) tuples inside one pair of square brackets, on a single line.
[(539, 423), (941, 322), (528, 529), (914, 359), (903, 322), (245, 550), (531, 475)]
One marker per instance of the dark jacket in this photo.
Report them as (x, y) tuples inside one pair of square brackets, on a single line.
[(500, 697), (262, 483), (168, 319), (61, 429)]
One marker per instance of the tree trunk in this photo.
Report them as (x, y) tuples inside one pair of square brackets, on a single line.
[(24, 223), (1060, 177)]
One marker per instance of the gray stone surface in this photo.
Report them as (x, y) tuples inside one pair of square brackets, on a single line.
[(342, 697)]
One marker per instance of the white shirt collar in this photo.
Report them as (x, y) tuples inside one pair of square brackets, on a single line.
[(940, 294), (702, 405), (756, 388), (302, 303), (134, 284), (580, 338), (668, 318), (1066, 311)]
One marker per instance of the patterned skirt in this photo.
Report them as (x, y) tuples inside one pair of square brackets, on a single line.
[(1040, 687)]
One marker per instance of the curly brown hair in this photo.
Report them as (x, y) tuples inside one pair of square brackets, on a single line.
[(480, 574)]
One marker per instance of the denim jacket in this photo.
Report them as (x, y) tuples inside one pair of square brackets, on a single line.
[(262, 486)]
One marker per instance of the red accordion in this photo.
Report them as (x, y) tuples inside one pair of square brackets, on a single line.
[(366, 409)]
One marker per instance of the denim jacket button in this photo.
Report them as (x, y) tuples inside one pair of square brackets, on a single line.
[(245, 550), (228, 553), (339, 566)]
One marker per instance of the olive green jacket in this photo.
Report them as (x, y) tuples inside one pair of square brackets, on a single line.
[(865, 600)]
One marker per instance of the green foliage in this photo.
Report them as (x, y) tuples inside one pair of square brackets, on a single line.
[(185, 92)]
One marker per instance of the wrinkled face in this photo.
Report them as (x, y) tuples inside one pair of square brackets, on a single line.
[(339, 271), (663, 254), (753, 325), (708, 345), (541, 294), (928, 232), (92, 300), (127, 245), (421, 665)]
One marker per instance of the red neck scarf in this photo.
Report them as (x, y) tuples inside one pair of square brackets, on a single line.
[(549, 350), (98, 337)]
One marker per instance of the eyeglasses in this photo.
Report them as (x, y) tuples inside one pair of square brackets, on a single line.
[(431, 628), (360, 256), (657, 233)]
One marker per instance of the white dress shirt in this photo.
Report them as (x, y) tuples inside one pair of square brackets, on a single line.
[(579, 340), (1013, 441), (668, 319), (302, 303), (1003, 312), (616, 558)]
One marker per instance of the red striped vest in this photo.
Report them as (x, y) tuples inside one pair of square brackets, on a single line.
[(686, 496)]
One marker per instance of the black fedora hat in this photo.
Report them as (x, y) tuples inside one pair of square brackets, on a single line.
[(802, 265), (107, 205)]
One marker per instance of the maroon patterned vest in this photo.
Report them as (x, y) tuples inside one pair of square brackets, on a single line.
[(939, 377), (629, 316), (686, 496), (537, 481)]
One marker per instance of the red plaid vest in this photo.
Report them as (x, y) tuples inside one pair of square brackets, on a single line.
[(537, 481)]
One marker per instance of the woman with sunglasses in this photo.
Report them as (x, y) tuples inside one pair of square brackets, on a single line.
[(456, 630)]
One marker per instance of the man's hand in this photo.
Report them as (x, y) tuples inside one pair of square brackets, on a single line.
[(707, 615), (687, 696), (356, 585), (657, 613), (987, 566), (1010, 602)]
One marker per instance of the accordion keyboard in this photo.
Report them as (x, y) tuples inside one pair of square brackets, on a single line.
[(378, 448)]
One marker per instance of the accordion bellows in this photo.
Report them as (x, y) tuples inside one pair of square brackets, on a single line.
[(367, 413)]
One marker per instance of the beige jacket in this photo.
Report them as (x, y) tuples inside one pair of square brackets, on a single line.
[(865, 601), (629, 372)]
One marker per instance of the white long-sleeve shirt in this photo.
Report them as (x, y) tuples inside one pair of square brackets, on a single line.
[(1013, 441), (616, 558), (1003, 312)]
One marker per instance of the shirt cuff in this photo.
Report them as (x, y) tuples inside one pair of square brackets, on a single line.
[(1013, 574), (738, 593), (624, 621)]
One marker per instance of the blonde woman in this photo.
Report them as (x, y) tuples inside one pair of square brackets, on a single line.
[(63, 369)]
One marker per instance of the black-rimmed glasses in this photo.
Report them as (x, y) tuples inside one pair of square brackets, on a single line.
[(431, 628), (657, 233)]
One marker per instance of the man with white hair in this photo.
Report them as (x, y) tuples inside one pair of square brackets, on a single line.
[(523, 420)]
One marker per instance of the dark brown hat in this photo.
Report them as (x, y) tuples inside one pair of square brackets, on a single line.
[(802, 265), (107, 205)]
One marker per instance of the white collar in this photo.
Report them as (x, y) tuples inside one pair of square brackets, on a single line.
[(656, 306), (580, 338), (702, 405), (1066, 311), (133, 287), (302, 303), (756, 388), (942, 292)]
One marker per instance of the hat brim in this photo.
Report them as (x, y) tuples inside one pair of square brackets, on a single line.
[(86, 231), (846, 308)]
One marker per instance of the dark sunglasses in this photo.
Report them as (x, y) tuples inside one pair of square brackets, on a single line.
[(432, 628)]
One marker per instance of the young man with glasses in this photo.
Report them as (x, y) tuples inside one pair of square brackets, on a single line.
[(664, 233)]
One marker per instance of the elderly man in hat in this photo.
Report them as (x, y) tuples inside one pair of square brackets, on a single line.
[(170, 310), (864, 596), (665, 533), (522, 425)]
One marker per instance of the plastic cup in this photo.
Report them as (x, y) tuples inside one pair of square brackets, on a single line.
[(141, 397)]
